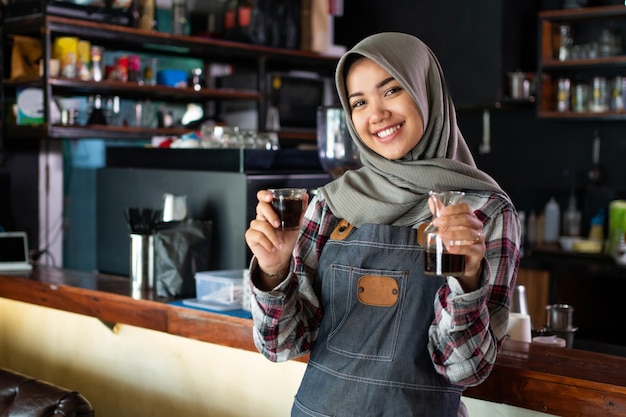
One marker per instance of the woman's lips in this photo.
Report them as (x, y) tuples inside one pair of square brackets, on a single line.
[(387, 134)]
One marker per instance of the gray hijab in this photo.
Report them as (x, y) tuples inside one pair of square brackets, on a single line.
[(387, 191)]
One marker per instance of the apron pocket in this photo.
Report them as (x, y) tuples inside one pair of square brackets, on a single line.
[(365, 324)]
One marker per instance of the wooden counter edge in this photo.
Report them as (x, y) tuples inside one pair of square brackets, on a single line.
[(186, 322), (524, 375), (531, 382)]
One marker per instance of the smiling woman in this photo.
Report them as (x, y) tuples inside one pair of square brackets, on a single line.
[(353, 291)]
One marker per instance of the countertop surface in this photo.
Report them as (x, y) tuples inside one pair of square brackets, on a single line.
[(552, 380)]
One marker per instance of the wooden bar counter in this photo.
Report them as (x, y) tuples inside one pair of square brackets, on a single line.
[(106, 297), (558, 381)]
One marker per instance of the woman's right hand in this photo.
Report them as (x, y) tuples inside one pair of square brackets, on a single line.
[(271, 246)]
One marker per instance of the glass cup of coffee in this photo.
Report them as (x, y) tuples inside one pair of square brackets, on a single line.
[(288, 203), (438, 260)]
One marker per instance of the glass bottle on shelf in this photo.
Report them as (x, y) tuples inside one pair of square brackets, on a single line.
[(96, 117), (179, 17), (565, 42), (146, 15)]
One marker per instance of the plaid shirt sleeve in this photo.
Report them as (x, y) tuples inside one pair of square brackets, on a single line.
[(469, 328), (287, 318)]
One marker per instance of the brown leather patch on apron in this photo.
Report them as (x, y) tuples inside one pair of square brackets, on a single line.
[(342, 230), (420, 233), (377, 290)]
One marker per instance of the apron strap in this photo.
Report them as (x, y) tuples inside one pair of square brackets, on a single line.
[(342, 230)]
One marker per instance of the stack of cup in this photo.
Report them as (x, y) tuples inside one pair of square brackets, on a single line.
[(519, 327), (560, 322)]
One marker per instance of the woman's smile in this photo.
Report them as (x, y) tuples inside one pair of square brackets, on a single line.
[(385, 135)]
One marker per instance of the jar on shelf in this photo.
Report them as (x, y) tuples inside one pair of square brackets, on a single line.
[(565, 42), (599, 95), (563, 95), (618, 89), (610, 43), (580, 97)]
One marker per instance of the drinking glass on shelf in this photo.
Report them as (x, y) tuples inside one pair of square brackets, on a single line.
[(438, 260)]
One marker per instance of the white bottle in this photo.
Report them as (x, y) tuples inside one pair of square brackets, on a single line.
[(552, 221), (571, 219)]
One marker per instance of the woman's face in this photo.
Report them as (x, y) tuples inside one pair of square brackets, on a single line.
[(384, 114)]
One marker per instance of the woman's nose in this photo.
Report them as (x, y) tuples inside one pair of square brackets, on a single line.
[(378, 113)]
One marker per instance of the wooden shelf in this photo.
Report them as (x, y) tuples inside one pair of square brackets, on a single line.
[(576, 64), (163, 43), (588, 116), (583, 13), (259, 59), (586, 23), (75, 87)]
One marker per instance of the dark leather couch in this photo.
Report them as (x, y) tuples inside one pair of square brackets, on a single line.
[(23, 396)]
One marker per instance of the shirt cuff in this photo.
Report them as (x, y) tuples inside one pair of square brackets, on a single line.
[(278, 291), (458, 294)]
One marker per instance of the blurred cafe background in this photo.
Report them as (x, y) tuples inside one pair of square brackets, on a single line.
[(215, 99)]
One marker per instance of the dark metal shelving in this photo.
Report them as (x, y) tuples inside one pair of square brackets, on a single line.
[(260, 59), (551, 68)]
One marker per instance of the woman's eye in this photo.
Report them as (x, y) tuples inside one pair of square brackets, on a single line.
[(357, 103), (392, 90)]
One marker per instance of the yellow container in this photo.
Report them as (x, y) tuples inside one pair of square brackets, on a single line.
[(66, 51), (84, 60)]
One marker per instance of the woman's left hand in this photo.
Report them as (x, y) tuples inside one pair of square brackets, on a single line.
[(462, 234)]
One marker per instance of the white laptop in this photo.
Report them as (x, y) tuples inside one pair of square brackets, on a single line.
[(14, 252)]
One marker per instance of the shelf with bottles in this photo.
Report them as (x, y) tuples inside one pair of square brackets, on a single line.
[(134, 39), (208, 51), (109, 87), (582, 64), (92, 131)]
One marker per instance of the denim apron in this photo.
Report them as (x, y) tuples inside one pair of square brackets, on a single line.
[(371, 358)]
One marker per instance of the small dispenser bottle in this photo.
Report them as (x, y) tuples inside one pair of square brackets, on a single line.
[(552, 225)]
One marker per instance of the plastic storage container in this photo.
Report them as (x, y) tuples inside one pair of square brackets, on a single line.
[(220, 290)]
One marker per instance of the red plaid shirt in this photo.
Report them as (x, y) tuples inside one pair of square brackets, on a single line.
[(468, 328)]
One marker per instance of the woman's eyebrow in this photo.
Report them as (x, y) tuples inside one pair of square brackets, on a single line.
[(385, 81), (379, 85)]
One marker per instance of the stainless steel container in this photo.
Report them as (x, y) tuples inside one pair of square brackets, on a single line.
[(520, 85), (141, 264), (560, 321), (559, 317)]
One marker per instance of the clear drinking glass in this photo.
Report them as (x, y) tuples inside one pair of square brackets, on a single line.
[(438, 260)]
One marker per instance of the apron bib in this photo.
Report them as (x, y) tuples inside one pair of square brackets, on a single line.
[(371, 357)]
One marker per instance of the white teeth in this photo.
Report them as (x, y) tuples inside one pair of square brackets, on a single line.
[(384, 133)]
